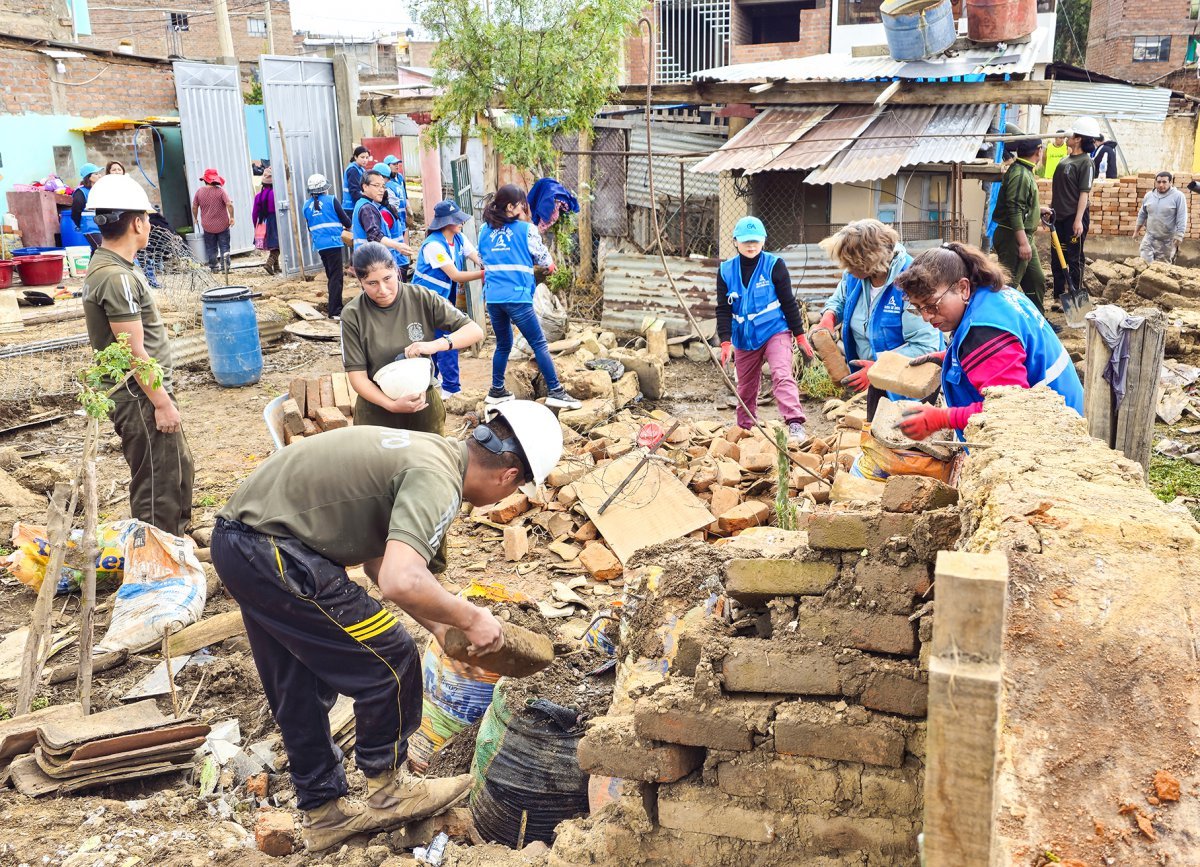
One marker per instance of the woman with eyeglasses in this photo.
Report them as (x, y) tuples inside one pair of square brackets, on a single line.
[(868, 305), (997, 337)]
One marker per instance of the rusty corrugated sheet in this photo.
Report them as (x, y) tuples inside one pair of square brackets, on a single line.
[(909, 136), (824, 141), (765, 138)]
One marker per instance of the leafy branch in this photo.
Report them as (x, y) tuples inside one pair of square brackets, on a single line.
[(114, 364)]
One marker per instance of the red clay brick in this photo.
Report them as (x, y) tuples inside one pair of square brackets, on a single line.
[(865, 630), (758, 665), (673, 715), (611, 748), (810, 729)]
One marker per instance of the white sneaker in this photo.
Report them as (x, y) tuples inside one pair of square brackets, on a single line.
[(561, 398)]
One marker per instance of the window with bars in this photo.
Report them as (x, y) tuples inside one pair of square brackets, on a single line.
[(179, 22), (692, 35), (1151, 49), (256, 26)]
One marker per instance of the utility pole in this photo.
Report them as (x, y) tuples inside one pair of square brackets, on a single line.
[(270, 30), (224, 35)]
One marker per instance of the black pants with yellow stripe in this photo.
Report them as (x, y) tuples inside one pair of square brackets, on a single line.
[(316, 634)]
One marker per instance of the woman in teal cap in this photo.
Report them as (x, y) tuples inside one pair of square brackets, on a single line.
[(80, 215), (758, 320), (395, 217), (396, 186)]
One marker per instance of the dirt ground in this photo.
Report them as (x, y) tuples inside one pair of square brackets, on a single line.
[(164, 821)]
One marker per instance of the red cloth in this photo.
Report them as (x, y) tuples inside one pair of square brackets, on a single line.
[(214, 208)]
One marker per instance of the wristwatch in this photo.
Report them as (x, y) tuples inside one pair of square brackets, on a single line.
[(449, 343)]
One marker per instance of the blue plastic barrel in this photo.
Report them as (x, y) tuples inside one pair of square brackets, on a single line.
[(71, 236), (917, 29), (231, 331)]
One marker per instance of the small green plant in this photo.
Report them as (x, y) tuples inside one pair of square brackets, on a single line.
[(114, 363), (40, 703), (5, 712), (207, 501), (253, 96), (816, 382), (563, 233), (785, 510), (1174, 477)]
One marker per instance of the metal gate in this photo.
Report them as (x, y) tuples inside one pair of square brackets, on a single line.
[(298, 93), (213, 124)]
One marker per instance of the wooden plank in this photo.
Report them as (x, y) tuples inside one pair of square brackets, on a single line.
[(103, 662), (19, 734), (962, 741), (293, 418), (210, 630), (305, 310), (341, 393), (312, 389), (298, 391), (1135, 415), (1098, 406), (970, 610)]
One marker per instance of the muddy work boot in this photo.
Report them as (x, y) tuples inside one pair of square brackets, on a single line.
[(335, 821), (403, 797)]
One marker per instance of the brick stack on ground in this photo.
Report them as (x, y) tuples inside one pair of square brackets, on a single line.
[(1115, 202), (317, 404), (796, 733)]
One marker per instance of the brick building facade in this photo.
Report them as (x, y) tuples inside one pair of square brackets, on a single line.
[(36, 19), (1155, 41)]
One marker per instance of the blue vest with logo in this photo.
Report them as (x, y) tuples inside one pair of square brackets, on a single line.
[(435, 279), (885, 324), (757, 316), (395, 231), (505, 254), (399, 197), (1046, 362), (324, 225), (360, 234), (87, 224), (347, 201)]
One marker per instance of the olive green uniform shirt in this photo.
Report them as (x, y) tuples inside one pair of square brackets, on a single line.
[(1017, 205), (372, 336), (114, 290), (347, 492), (1072, 177)]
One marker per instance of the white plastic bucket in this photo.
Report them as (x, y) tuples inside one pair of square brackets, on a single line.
[(78, 259)]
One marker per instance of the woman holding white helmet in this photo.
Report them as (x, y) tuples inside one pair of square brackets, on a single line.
[(388, 336), (327, 219)]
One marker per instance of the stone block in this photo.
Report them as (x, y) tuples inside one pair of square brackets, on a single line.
[(275, 833), (916, 494), (586, 532), (723, 448), (757, 580), (626, 389), (651, 372), (757, 460), (330, 418), (723, 499), (864, 630), (592, 413), (839, 531), (892, 372), (587, 384), (1152, 283), (510, 507), (707, 810), (759, 665), (611, 748), (751, 513), (729, 472), (516, 543), (600, 562), (768, 542), (852, 489), (674, 715), (810, 729)]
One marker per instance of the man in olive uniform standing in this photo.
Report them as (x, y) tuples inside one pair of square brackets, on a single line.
[(384, 498), (1017, 215), (117, 300)]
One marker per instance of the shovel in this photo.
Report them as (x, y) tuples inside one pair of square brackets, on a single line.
[(1076, 303)]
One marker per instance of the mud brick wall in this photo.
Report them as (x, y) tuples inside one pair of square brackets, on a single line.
[(1115, 202), (796, 733)]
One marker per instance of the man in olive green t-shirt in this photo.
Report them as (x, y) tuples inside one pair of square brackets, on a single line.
[(1071, 191), (384, 498), (117, 300)]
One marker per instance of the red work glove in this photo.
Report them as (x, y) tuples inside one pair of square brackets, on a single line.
[(726, 351), (828, 321), (934, 357), (802, 345), (919, 423), (858, 380)]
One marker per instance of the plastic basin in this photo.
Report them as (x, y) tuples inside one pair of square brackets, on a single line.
[(6, 271), (44, 270)]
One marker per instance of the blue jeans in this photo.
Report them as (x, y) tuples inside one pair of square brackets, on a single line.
[(503, 317), (447, 362)]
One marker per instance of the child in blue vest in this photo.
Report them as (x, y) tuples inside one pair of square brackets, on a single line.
[(397, 186), (757, 320), (440, 268), (509, 247), (326, 220), (997, 337), (869, 306)]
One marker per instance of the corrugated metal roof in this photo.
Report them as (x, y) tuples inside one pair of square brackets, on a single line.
[(909, 136), (1124, 101), (974, 62), (666, 168), (635, 285), (763, 139), (824, 141)]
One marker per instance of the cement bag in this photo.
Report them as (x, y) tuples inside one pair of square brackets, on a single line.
[(163, 587), (878, 462), (31, 554), (551, 314)]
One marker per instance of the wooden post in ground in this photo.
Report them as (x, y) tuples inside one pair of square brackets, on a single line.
[(1098, 406), (965, 686), (88, 609), (58, 528), (587, 269)]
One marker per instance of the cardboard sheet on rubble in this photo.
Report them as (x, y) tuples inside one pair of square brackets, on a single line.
[(129, 719), (175, 751), (654, 507), (19, 734), (31, 781), (12, 649)]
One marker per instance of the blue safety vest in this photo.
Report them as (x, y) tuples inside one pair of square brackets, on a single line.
[(87, 223), (757, 315), (395, 231), (885, 323), (435, 279), (324, 225), (347, 201), (1046, 362), (399, 196), (360, 234), (508, 263)]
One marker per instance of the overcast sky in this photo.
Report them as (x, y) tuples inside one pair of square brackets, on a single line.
[(351, 19)]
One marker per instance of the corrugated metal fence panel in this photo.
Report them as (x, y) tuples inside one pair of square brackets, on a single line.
[(1123, 101), (299, 93), (635, 285), (666, 169), (213, 125)]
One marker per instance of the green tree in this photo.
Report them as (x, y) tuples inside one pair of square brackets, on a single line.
[(552, 64), (253, 96), (1071, 32)]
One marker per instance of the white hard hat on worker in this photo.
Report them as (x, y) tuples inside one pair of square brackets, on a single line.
[(536, 430), (118, 193), (318, 183), (1087, 127)]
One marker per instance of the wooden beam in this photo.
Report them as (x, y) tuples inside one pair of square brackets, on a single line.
[(378, 105), (1135, 415)]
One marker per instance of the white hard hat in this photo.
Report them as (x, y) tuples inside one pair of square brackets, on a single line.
[(1086, 126), (317, 183), (118, 193), (405, 376), (536, 429)]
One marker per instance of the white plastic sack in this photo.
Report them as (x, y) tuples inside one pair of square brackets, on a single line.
[(163, 587), (551, 314)]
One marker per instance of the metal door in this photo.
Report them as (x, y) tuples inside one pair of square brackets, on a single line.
[(298, 93), (460, 175), (213, 124)]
